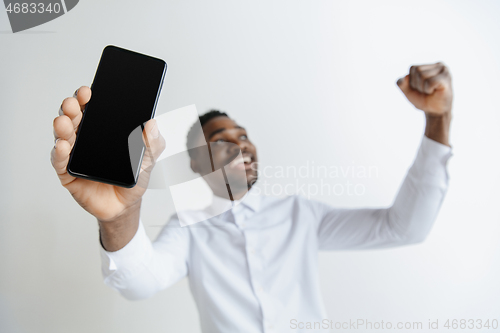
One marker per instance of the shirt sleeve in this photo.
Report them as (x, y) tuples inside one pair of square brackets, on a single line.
[(142, 268), (407, 221)]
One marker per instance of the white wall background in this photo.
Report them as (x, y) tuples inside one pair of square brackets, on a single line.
[(312, 81)]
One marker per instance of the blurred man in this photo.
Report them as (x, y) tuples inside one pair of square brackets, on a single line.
[(254, 268)]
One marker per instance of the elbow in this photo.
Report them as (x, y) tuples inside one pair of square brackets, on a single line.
[(135, 289), (415, 239), (412, 229), (136, 295)]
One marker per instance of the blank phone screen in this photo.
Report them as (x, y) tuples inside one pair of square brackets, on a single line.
[(125, 91)]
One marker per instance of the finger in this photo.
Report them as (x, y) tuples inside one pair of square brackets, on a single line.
[(427, 74), (408, 91), (424, 68), (437, 82), (59, 158), (417, 74), (63, 129), (153, 139), (155, 144), (83, 95), (423, 72), (71, 108), (413, 77)]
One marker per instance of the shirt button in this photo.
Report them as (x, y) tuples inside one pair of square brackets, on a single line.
[(251, 250), (242, 224)]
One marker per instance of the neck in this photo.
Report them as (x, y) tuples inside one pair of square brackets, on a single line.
[(233, 195), (236, 195)]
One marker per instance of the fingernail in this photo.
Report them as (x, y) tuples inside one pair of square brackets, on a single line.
[(55, 142), (76, 93), (400, 81), (154, 131), (61, 112)]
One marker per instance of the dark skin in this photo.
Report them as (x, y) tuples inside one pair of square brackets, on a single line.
[(226, 139), (117, 209), (428, 88)]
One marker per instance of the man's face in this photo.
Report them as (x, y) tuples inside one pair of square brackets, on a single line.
[(225, 139)]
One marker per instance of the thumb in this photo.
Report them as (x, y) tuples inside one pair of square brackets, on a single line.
[(154, 141), (404, 84), (415, 97), (155, 144)]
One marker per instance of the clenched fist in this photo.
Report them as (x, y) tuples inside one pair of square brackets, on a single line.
[(428, 88)]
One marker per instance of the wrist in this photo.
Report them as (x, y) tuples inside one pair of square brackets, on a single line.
[(126, 214), (116, 233), (437, 127), (444, 116)]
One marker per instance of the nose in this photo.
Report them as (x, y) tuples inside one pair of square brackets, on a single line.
[(236, 146), (242, 144)]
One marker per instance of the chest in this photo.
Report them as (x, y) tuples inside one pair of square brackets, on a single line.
[(258, 243)]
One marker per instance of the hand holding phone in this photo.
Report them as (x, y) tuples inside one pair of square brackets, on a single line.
[(101, 122), (106, 202)]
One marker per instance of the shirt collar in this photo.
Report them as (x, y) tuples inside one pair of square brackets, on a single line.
[(250, 200)]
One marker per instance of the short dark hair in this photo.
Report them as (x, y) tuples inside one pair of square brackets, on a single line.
[(194, 131)]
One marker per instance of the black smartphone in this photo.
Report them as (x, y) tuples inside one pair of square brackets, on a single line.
[(109, 147)]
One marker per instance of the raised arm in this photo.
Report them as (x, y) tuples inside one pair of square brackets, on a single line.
[(411, 216), (428, 88), (131, 263), (115, 208)]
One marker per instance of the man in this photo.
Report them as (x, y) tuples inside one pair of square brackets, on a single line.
[(254, 268)]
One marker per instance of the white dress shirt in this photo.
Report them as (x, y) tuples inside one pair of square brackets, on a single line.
[(255, 267)]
